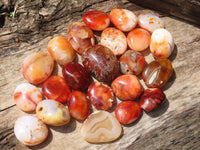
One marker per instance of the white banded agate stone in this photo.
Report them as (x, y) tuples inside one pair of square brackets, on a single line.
[(101, 127)]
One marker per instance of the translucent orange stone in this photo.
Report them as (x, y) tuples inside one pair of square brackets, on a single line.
[(61, 50), (80, 36), (37, 67), (96, 20), (157, 73), (138, 39), (125, 20), (79, 106), (127, 87)]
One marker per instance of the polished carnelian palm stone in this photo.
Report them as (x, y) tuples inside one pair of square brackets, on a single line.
[(138, 39), (61, 50), (76, 76), (96, 20), (79, 106), (151, 99), (56, 88), (124, 19), (101, 95), (80, 36), (127, 87), (37, 67), (127, 112), (157, 73)]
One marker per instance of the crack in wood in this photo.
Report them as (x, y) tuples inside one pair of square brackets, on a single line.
[(7, 108)]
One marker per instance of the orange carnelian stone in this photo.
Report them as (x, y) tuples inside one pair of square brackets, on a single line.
[(101, 95), (127, 112), (138, 39), (79, 106), (96, 20), (127, 87), (61, 50), (80, 36), (37, 67), (56, 88), (125, 20)]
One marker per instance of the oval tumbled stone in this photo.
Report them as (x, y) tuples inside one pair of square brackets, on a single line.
[(101, 127), (157, 73)]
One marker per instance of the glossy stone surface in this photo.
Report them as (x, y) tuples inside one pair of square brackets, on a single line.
[(27, 96), (56, 88), (96, 20), (53, 113), (101, 95), (80, 36), (162, 43), (101, 62), (30, 130), (150, 21), (127, 87), (151, 99), (138, 39), (76, 76), (132, 62), (127, 112), (100, 127), (115, 40), (79, 107), (123, 19), (61, 50), (157, 73), (37, 67)]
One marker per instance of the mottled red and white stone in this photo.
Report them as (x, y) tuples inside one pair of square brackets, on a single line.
[(162, 43), (115, 40), (27, 96), (125, 20)]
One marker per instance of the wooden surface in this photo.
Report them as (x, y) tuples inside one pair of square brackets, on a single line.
[(183, 9), (175, 125)]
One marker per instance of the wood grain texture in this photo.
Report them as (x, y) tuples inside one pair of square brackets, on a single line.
[(174, 125), (184, 9)]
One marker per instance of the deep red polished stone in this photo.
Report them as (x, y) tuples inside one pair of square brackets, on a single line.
[(101, 95), (56, 88), (151, 99), (127, 112), (76, 76), (79, 107), (101, 62), (96, 20)]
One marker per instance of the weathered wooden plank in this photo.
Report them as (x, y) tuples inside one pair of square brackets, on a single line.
[(175, 125), (188, 10)]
